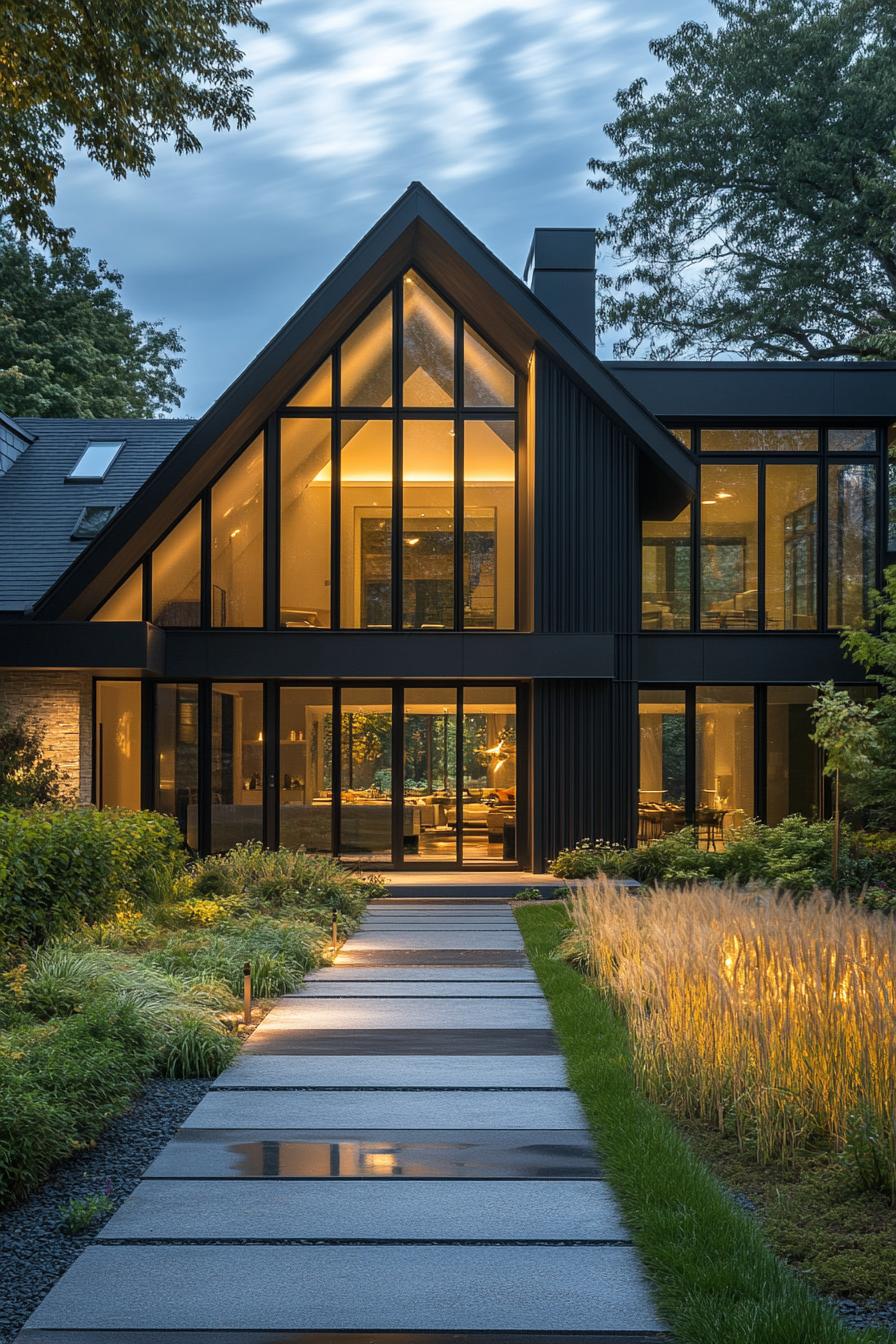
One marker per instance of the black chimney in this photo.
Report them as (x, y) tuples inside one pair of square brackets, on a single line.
[(560, 272)]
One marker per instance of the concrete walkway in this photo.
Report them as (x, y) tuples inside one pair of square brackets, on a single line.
[(395, 1156)]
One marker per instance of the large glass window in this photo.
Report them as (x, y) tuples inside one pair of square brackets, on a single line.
[(666, 572), (725, 795), (305, 483), (488, 801), (852, 536), (729, 547), (365, 773), (237, 764), (176, 563), (428, 525), (176, 781), (488, 381), (759, 439), (117, 760), (238, 541), (662, 782), (366, 360), (793, 769), (489, 525), (366, 523), (891, 488), (126, 603), (791, 540), (428, 352), (306, 768)]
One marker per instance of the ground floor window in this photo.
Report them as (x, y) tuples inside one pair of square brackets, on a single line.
[(378, 774), (714, 756), (117, 753)]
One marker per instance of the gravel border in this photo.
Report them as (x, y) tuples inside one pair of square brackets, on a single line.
[(33, 1251)]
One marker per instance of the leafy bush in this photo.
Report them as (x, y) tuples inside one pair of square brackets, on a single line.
[(673, 858), (27, 776), (77, 1215), (587, 859), (283, 879), (59, 866)]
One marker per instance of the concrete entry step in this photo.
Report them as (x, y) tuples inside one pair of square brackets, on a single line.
[(334, 1337)]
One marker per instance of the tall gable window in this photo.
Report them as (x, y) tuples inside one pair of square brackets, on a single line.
[(382, 495), (398, 476)]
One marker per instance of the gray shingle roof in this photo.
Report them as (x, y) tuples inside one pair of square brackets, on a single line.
[(39, 509)]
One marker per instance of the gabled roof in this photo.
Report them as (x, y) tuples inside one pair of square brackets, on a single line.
[(39, 509), (419, 230)]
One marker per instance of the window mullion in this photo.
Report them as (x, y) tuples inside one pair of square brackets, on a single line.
[(397, 485)]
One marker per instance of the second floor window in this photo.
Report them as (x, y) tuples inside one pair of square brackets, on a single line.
[(783, 536)]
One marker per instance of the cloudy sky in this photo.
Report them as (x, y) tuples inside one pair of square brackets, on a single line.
[(496, 105)]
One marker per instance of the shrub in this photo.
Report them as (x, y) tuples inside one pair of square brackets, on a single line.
[(587, 859), (59, 866), (77, 1215), (283, 879), (194, 1047), (27, 776), (673, 858)]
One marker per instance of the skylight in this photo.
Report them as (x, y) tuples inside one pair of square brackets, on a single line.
[(95, 461), (91, 521)]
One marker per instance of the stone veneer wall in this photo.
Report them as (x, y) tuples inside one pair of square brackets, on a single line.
[(63, 703)]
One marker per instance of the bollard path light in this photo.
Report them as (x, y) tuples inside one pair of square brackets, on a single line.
[(247, 993)]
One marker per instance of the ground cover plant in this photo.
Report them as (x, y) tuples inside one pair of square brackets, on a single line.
[(715, 1277), (127, 962)]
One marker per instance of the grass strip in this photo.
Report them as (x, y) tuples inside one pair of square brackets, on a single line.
[(715, 1279)]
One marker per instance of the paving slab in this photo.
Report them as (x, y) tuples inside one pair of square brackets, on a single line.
[(392, 1154), (419, 989), (462, 940), (307, 1014), (362, 1211), (336, 1337), (398, 1041), (371, 1109), (431, 957), (394, 1071), (443, 974), (368, 1288)]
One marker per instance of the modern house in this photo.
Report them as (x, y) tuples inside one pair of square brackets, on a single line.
[(432, 586)]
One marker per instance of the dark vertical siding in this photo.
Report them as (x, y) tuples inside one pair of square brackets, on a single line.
[(586, 554), (583, 764)]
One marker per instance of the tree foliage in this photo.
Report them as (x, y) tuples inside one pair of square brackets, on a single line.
[(119, 79), (760, 187), (27, 776), (69, 346), (859, 739)]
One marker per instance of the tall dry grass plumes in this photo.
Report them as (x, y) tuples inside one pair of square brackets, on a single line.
[(772, 1019)]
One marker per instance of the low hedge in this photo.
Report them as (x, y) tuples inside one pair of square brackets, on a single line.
[(60, 866), (794, 855)]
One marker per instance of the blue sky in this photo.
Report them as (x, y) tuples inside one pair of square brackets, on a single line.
[(496, 105)]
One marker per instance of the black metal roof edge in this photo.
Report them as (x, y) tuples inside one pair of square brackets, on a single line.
[(417, 203), (756, 365)]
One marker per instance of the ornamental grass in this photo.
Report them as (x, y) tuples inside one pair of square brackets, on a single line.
[(770, 1018)]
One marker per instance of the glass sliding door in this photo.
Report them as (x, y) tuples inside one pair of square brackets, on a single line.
[(237, 764), (306, 768), (176, 782), (487, 811), (365, 774), (430, 774)]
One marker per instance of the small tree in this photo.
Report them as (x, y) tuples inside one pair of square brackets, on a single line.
[(27, 775), (846, 733)]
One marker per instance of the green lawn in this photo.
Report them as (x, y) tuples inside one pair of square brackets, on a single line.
[(716, 1280)]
